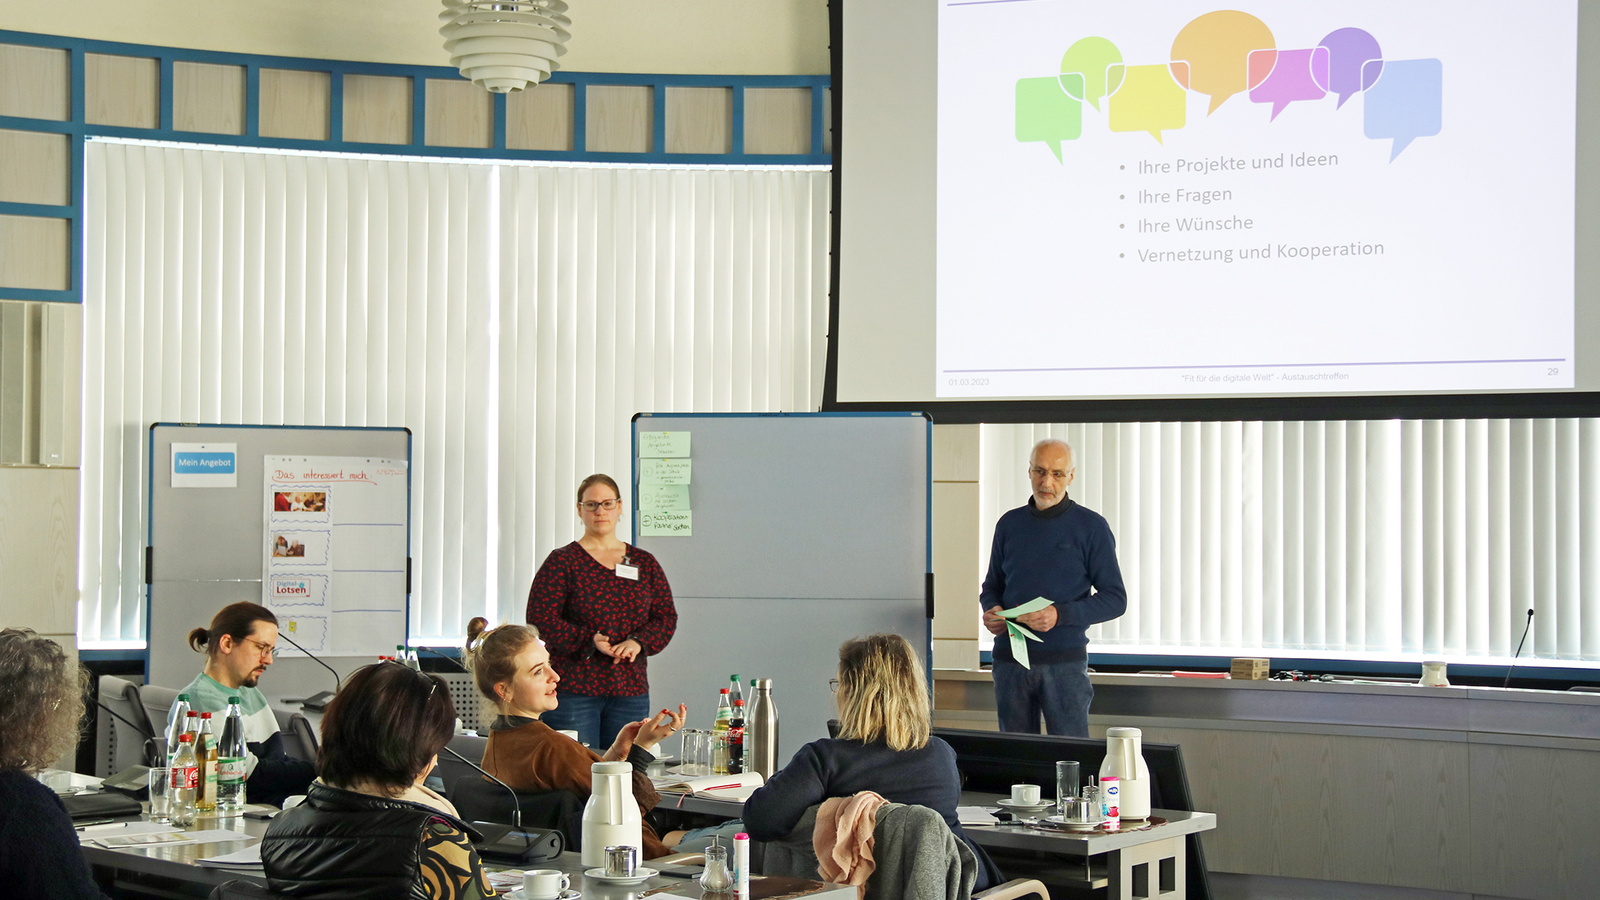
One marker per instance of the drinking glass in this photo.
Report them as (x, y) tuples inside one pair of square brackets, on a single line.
[(1066, 784), (686, 756), (161, 795)]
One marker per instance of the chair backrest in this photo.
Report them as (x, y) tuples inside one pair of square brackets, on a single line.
[(465, 698), (917, 856), (478, 799), (157, 701), (119, 745), (243, 890), (300, 739)]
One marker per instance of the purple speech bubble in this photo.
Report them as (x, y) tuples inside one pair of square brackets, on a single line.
[(1297, 75), (1351, 49), (1406, 103)]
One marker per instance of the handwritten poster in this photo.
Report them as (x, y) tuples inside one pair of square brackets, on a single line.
[(666, 522), (335, 550)]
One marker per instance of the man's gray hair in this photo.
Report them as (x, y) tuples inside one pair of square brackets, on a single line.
[(1072, 458)]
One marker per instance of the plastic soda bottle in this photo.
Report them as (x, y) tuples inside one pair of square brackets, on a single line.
[(185, 781), (736, 739)]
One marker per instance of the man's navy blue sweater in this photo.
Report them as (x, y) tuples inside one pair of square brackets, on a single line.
[(1065, 554)]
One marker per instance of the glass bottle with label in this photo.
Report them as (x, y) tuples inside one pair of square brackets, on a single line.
[(185, 782), (205, 754), (231, 759)]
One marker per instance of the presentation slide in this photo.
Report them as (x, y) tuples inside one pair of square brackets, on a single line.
[(1171, 198)]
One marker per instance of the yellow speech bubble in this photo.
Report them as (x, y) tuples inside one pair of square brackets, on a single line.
[(1148, 100), (1217, 48)]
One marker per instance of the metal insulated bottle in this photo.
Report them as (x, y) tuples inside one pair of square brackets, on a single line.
[(761, 731)]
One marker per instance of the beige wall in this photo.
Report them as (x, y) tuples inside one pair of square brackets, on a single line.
[(708, 37), (955, 546)]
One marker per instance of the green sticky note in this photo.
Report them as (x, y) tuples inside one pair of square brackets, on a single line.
[(1019, 642), (666, 523), (663, 497), (664, 471), (661, 444)]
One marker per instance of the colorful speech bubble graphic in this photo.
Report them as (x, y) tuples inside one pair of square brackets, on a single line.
[(1350, 49), (1217, 47), (1293, 77), (1092, 58), (1148, 100), (1405, 103), (1046, 112)]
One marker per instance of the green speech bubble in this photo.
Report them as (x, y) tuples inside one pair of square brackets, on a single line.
[(1148, 100), (1091, 58), (1046, 113)]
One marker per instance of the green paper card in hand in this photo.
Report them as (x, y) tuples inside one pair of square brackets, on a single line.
[(1018, 634)]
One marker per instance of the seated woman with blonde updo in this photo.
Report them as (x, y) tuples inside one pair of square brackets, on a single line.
[(512, 670)]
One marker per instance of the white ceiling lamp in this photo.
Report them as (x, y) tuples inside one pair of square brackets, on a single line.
[(505, 45)]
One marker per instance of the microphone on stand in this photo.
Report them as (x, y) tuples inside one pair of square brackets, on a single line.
[(1507, 682), (514, 843), (319, 700)]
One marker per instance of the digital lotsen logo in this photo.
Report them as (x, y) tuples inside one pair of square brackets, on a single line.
[(1221, 54)]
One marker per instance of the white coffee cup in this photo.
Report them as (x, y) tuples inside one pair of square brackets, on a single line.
[(544, 884), (1025, 794)]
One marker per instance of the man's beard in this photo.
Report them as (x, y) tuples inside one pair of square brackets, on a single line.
[(250, 680)]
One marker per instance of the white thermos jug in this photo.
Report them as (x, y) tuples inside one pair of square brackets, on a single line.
[(611, 818), (1125, 759)]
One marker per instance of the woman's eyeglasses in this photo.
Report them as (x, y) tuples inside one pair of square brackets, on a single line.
[(608, 505)]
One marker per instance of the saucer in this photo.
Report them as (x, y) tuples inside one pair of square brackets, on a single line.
[(568, 894), (1005, 803), (640, 874), (1074, 826)]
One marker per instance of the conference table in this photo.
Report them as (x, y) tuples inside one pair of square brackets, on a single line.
[(1149, 862), (174, 870)]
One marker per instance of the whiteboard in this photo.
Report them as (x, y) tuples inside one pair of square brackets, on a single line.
[(208, 546), (807, 529)]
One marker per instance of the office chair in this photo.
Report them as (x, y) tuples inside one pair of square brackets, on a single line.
[(896, 822), (122, 745), (479, 800)]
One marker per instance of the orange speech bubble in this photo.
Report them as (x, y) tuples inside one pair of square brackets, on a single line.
[(1217, 48)]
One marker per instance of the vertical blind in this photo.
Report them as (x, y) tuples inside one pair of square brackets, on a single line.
[(1361, 539), (514, 317)]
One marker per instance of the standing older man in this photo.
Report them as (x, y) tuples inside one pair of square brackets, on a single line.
[(1055, 549)]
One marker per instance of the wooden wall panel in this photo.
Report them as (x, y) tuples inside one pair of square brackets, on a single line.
[(955, 541), (35, 82), (699, 120), (377, 109), (33, 168), (777, 120), (295, 104), (1535, 815), (208, 98), (34, 253), (540, 118), (620, 119), (122, 90), (460, 114), (39, 549)]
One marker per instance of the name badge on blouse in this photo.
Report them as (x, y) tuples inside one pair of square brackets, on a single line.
[(629, 572)]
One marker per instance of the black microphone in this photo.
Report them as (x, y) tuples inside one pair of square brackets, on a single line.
[(319, 700), (452, 659), (515, 843), (1507, 682)]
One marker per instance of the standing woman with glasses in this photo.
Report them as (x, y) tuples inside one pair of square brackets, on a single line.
[(603, 608)]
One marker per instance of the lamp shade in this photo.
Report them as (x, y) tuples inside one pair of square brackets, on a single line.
[(505, 45)]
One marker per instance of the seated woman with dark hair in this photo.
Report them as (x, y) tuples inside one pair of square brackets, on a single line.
[(39, 712), (368, 827)]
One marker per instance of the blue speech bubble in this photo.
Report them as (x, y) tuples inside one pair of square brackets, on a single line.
[(1405, 101), (1046, 112)]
